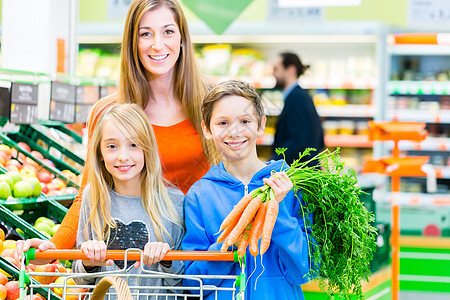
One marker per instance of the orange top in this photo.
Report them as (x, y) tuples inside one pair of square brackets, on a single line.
[(182, 159)]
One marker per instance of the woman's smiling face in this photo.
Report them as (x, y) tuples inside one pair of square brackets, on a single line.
[(159, 42)]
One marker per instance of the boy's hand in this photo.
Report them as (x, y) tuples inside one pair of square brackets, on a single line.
[(24, 246), (280, 184), (96, 252), (154, 252)]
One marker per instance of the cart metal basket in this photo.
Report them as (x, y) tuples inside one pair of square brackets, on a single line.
[(121, 285)]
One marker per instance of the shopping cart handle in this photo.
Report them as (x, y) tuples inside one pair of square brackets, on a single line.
[(33, 254)]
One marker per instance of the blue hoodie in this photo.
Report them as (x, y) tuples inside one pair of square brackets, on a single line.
[(286, 262)]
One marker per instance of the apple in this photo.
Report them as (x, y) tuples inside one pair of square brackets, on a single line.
[(15, 176), (70, 175), (24, 146), (37, 154), (5, 190), (3, 291), (45, 176), (13, 291), (54, 193), (7, 179), (36, 184), (34, 297), (14, 162), (43, 227), (3, 279), (3, 160), (61, 184), (54, 229), (22, 189), (51, 268), (44, 188), (71, 190), (52, 186), (29, 161), (27, 173), (4, 148), (44, 220), (60, 280), (12, 168), (48, 162)]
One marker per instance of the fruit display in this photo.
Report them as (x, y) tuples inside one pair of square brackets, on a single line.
[(46, 226), (27, 178)]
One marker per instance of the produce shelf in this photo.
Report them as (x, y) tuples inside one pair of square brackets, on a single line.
[(441, 116), (405, 87)]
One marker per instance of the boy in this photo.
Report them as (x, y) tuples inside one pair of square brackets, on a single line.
[(233, 117)]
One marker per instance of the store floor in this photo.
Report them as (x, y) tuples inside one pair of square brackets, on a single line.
[(421, 296)]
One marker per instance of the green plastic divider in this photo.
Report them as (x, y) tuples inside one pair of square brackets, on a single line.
[(61, 127), (12, 220), (35, 135), (9, 142)]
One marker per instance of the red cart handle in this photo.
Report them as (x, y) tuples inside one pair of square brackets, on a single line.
[(33, 254)]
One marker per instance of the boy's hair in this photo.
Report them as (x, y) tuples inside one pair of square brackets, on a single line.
[(132, 122), (231, 88)]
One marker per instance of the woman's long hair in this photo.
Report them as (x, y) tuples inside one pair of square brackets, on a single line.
[(190, 86), (155, 199)]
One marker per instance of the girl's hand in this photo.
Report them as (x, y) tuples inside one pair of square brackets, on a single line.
[(24, 246), (154, 252), (96, 252), (280, 184)]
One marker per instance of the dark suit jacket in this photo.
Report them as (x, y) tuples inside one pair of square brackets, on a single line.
[(299, 126)]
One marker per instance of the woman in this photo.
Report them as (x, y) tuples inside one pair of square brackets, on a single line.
[(159, 73)]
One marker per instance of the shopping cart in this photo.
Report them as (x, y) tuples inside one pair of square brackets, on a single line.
[(127, 286)]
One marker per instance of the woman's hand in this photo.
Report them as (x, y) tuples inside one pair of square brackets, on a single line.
[(154, 252), (280, 184), (95, 251), (24, 246)]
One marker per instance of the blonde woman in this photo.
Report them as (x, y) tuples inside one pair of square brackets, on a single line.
[(126, 203), (159, 73)]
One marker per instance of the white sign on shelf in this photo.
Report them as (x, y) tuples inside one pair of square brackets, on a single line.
[(316, 3), (117, 9), (428, 12), (304, 14)]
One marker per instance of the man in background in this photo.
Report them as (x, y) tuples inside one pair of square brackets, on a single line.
[(299, 126)]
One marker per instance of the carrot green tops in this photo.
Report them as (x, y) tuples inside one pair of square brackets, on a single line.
[(182, 158)]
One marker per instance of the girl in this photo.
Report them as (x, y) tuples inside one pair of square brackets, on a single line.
[(126, 203)]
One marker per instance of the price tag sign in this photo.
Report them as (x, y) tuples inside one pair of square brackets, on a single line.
[(277, 11), (24, 103), (5, 102), (117, 9), (62, 102), (87, 95), (429, 12)]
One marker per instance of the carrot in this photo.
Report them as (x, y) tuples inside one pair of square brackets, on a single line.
[(227, 230), (255, 232), (244, 220), (235, 212), (244, 241), (269, 223)]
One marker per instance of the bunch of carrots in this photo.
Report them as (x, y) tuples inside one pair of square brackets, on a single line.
[(342, 239)]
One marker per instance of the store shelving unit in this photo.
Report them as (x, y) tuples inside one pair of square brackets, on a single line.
[(418, 89)]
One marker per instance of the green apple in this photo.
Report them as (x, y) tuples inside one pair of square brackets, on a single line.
[(5, 190), (20, 231), (6, 178), (15, 176), (36, 184), (22, 189), (44, 220), (43, 227), (54, 229)]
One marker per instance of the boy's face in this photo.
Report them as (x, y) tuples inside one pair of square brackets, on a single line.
[(234, 127)]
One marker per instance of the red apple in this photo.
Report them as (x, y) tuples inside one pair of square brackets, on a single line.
[(13, 291), (14, 162), (52, 186), (24, 146), (44, 188), (3, 160), (37, 155), (45, 176), (71, 190), (3, 279), (31, 162), (12, 168), (59, 182), (49, 268)]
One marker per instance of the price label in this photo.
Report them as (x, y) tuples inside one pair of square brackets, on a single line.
[(24, 101), (62, 102), (285, 13), (5, 102), (117, 9), (428, 12)]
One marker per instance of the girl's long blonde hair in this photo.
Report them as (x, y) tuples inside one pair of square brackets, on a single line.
[(154, 196), (190, 86)]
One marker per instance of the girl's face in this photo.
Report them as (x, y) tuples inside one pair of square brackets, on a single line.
[(159, 42), (234, 128), (123, 159)]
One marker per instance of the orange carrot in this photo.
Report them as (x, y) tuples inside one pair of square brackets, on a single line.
[(244, 220), (235, 212), (244, 241), (227, 230), (269, 223), (255, 232)]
